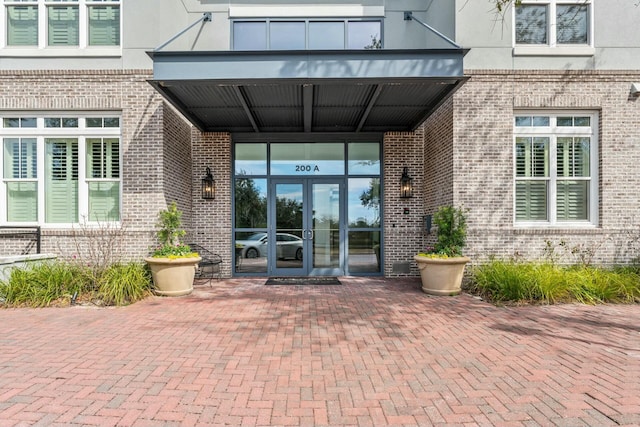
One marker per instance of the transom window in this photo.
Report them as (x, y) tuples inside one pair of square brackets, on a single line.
[(61, 23), (60, 169), (553, 23), (556, 169), (295, 34)]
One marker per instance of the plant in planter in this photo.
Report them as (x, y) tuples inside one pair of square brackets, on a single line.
[(172, 263), (442, 267)]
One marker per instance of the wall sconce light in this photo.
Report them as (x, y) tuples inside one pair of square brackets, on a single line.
[(427, 223), (635, 89), (208, 186), (406, 185)]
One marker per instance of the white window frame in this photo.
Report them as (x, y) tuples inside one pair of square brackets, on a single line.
[(43, 49), (553, 132), (553, 48), (41, 133)]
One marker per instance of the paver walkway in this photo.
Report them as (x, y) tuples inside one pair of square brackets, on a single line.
[(371, 352)]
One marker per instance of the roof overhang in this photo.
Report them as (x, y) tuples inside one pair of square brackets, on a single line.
[(308, 91)]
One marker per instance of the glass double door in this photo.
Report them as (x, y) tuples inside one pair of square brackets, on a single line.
[(306, 231)]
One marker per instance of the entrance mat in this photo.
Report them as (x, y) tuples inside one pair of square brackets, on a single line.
[(303, 281)]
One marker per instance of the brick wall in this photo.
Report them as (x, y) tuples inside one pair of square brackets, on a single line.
[(211, 219), (403, 232), (144, 163), (483, 159)]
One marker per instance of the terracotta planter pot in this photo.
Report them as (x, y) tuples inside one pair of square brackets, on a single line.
[(441, 276), (173, 277)]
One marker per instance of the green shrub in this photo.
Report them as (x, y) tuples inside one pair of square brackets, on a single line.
[(57, 282), (122, 284), (41, 284), (548, 283)]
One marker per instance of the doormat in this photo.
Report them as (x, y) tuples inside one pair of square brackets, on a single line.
[(303, 281)]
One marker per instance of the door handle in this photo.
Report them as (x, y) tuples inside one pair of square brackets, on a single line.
[(311, 231), (304, 234)]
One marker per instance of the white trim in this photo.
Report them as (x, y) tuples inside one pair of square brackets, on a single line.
[(305, 11), (563, 50), (80, 133), (553, 132)]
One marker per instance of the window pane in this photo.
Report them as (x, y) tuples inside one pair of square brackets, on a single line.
[(287, 35), (251, 252), (531, 200), (104, 25), (61, 183), (532, 156), (307, 159), (29, 122), (364, 158), (250, 203), (531, 24), (104, 201), (582, 121), (573, 157), (572, 24), (364, 202), (70, 123), (565, 121), (11, 123), (251, 159), (541, 121), (111, 122), (20, 158), (364, 251), (523, 121), (326, 35), (22, 201), (573, 200), (52, 122), (22, 25), (103, 158), (249, 35), (94, 122), (364, 35), (63, 26)]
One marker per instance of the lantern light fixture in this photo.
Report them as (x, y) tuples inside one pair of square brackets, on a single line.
[(208, 186), (406, 185)]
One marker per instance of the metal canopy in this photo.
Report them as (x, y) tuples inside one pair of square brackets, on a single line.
[(308, 91)]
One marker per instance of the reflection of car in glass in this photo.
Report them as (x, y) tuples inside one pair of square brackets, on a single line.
[(287, 246)]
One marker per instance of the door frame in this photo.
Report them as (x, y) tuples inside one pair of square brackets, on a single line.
[(307, 268)]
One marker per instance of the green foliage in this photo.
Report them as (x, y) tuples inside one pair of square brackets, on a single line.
[(57, 282), (548, 283), (123, 284), (452, 231), (502, 5), (41, 284), (170, 234)]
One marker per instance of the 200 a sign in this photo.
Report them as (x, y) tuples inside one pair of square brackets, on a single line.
[(307, 168)]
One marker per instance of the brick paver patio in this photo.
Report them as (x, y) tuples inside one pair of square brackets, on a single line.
[(369, 353)]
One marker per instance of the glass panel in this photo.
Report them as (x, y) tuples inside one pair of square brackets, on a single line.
[(250, 203), (541, 121), (111, 122), (564, 121), (64, 26), (531, 24), (249, 35), (326, 225), (251, 159), (61, 183), (573, 157), (20, 158), (582, 121), (326, 35), (573, 200), (364, 202), (523, 121), (532, 156), (104, 201), (531, 200), (307, 159), (364, 158), (11, 123), (364, 35), (104, 25), (287, 35), (251, 252), (289, 225), (70, 123), (364, 251), (29, 122), (52, 122), (22, 25), (572, 24), (22, 201), (94, 122)]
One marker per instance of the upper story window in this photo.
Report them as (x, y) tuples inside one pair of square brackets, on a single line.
[(300, 34), (556, 163), (554, 24), (61, 23)]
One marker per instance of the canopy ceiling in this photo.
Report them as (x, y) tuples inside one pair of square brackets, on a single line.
[(308, 91)]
